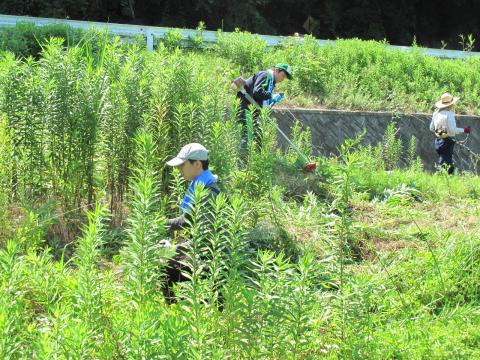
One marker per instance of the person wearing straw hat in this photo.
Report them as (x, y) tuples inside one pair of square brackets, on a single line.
[(260, 87), (444, 126)]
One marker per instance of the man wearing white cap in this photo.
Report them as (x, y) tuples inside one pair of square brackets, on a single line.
[(445, 128), (192, 161)]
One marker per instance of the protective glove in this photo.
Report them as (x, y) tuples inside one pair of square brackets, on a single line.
[(467, 130), (276, 98), (165, 244)]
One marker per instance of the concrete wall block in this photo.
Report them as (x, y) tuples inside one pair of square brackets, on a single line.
[(330, 128)]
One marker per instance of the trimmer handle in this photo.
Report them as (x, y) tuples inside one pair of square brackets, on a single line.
[(237, 84)]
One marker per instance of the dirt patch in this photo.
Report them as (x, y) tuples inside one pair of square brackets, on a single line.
[(370, 248), (388, 245)]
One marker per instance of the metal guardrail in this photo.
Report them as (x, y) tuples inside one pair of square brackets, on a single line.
[(151, 32), (441, 53)]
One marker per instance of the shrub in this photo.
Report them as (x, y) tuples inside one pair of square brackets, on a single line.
[(243, 49), (26, 39), (6, 162)]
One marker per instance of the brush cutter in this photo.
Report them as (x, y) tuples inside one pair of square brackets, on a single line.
[(238, 85)]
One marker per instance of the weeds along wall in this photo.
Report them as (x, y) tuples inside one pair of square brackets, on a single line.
[(402, 137)]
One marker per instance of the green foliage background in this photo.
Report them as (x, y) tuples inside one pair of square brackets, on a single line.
[(369, 257)]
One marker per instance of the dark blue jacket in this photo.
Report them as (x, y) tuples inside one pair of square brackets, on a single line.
[(257, 86)]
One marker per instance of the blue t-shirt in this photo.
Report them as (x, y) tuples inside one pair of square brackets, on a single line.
[(207, 179)]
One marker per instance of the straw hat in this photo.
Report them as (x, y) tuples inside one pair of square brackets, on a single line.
[(446, 100)]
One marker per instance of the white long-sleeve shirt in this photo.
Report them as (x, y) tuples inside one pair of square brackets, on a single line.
[(445, 119)]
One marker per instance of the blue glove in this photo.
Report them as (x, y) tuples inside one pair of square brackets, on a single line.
[(276, 98)]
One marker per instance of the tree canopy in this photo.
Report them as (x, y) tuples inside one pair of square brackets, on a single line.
[(399, 22)]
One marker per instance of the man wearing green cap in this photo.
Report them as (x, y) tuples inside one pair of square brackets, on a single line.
[(260, 87)]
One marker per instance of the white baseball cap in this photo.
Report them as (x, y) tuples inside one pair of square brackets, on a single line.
[(191, 151)]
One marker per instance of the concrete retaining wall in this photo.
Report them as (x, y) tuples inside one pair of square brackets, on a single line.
[(330, 128)]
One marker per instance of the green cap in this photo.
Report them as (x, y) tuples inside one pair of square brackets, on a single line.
[(286, 68)]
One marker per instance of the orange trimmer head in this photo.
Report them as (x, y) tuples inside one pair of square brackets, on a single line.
[(309, 167)]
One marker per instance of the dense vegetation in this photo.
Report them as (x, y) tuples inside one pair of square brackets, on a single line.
[(400, 22), (363, 259), (350, 74)]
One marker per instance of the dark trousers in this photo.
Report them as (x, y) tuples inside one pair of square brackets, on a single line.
[(444, 148), (175, 272), (244, 114)]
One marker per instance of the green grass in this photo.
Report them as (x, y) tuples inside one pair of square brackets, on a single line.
[(350, 74), (368, 258), (408, 288)]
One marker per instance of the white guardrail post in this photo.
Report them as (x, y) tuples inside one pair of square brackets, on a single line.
[(149, 36), (152, 32)]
